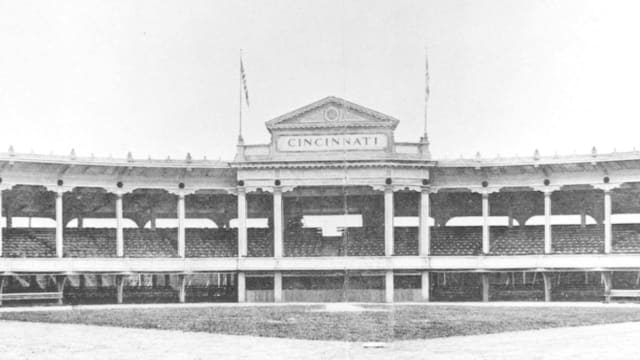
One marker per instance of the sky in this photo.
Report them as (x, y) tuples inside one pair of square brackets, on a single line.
[(161, 78)]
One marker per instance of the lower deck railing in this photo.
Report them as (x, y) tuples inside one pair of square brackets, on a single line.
[(595, 262)]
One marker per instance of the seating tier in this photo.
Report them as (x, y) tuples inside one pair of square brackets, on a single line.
[(459, 240), (526, 240), (574, 239), (89, 242), (29, 242), (150, 243), (626, 238), (211, 242)]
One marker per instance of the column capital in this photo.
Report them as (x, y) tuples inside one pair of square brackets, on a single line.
[(58, 189), (181, 192), (484, 191), (546, 189), (606, 187), (269, 189)]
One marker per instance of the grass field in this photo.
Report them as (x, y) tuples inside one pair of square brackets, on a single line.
[(388, 323)]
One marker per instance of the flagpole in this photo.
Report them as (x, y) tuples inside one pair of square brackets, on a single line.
[(426, 93), (240, 140)]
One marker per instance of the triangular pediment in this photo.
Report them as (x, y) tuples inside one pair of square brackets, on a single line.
[(332, 112)]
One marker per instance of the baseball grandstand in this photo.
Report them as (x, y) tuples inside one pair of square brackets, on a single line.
[(333, 209)]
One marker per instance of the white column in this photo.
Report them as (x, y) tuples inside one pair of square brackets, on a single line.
[(181, 231), (607, 221), (242, 289), (119, 231), (182, 291), (485, 223), (485, 287), (242, 222), (277, 286), (277, 222), (388, 286), (425, 286), (546, 277), (547, 222), (119, 288), (59, 224), (424, 244), (388, 221), (607, 276)]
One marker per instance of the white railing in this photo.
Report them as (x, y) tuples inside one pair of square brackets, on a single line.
[(257, 150), (443, 263), (407, 148)]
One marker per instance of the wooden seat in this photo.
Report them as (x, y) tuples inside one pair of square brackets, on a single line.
[(32, 296), (622, 293)]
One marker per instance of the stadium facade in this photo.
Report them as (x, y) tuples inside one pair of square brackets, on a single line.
[(418, 229)]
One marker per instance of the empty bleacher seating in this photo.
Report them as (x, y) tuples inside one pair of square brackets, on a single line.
[(626, 238), (259, 242), (363, 242), (211, 242), (88, 242), (353, 242), (456, 240), (150, 243), (525, 240), (405, 241), (304, 242), (29, 242), (574, 239)]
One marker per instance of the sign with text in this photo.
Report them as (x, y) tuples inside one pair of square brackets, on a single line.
[(339, 142)]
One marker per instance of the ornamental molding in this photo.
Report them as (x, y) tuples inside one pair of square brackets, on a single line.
[(332, 119), (547, 189), (385, 163), (607, 187), (485, 190)]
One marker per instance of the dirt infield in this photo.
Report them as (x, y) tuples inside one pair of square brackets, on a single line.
[(37, 341), (340, 321)]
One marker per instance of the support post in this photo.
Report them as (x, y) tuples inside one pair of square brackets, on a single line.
[(388, 286), (181, 227), (59, 224), (607, 221), (426, 286), (424, 245), (3, 280), (547, 222), (119, 288), (60, 280), (546, 278), (277, 286), (485, 287), (277, 222), (486, 246), (119, 231), (242, 223), (607, 276), (242, 288), (182, 294), (388, 221)]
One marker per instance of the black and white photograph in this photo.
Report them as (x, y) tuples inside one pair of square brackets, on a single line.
[(306, 179)]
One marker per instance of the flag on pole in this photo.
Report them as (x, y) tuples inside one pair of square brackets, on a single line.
[(244, 81), (426, 60), (426, 92)]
